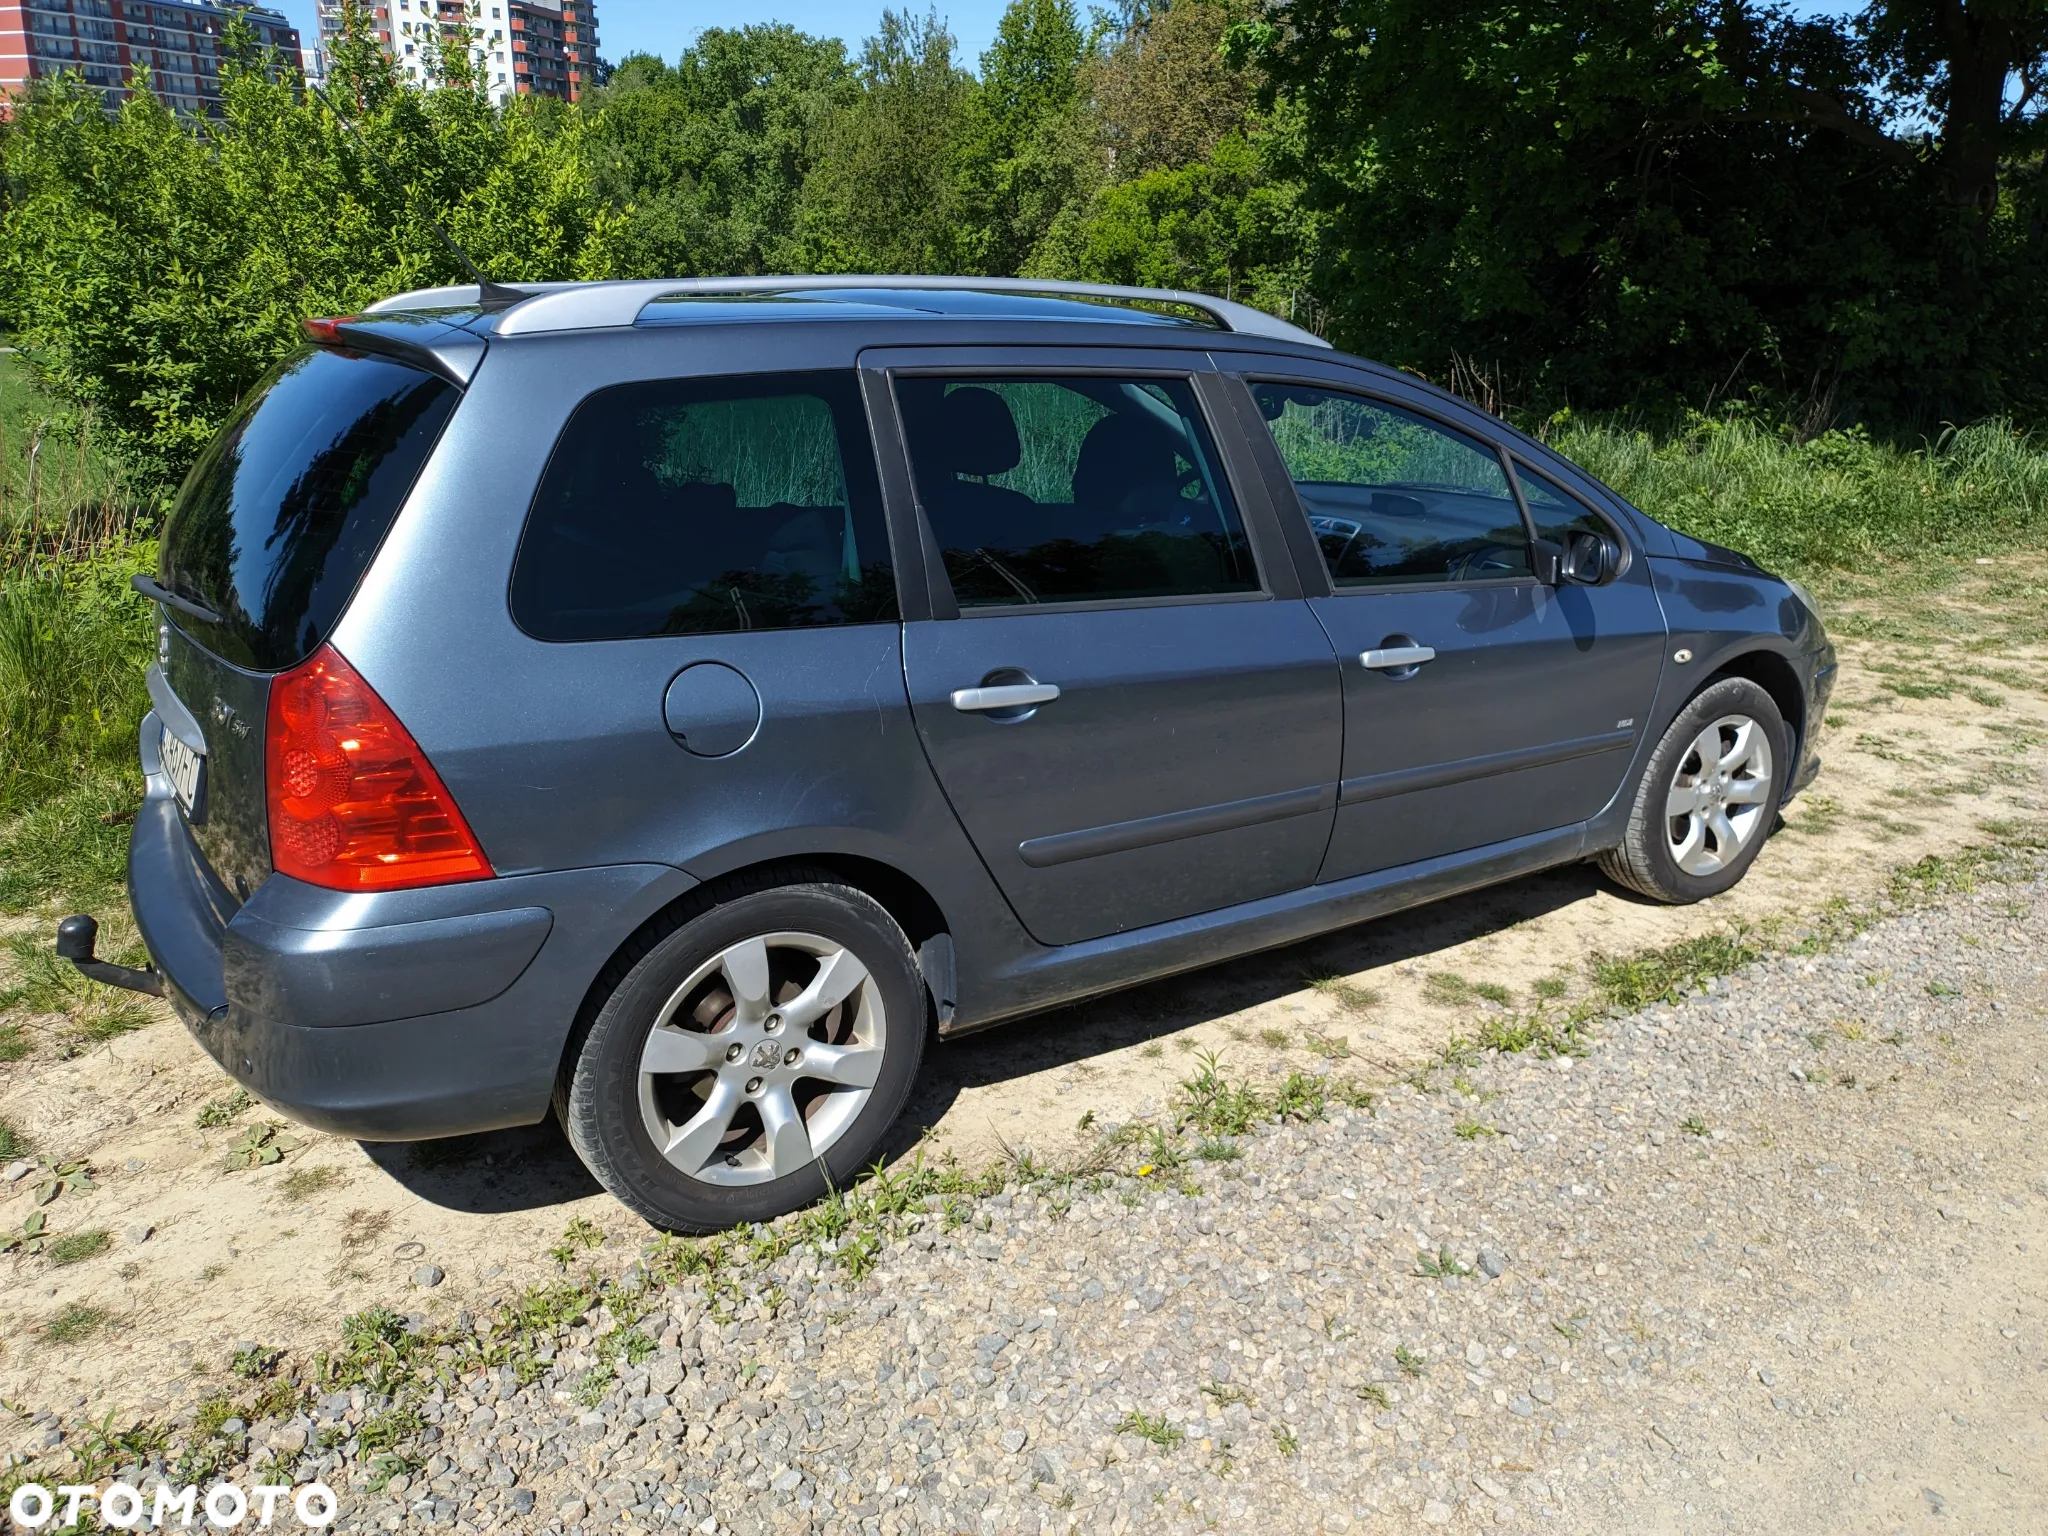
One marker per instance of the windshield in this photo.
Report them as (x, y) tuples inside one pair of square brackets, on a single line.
[(281, 516)]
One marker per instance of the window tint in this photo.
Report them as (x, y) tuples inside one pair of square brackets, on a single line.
[(1072, 490), (280, 517), (1555, 511), (1393, 497), (695, 506)]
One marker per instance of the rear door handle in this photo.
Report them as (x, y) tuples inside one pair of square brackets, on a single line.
[(1007, 696), (1393, 656)]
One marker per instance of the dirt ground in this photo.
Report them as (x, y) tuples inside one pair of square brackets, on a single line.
[(1932, 743)]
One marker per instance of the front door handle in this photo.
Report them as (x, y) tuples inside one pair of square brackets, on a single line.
[(1005, 696), (1393, 656)]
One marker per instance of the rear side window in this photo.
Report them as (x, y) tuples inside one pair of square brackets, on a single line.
[(1086, 489), (701, 506), (1393, 497), (281, 516)]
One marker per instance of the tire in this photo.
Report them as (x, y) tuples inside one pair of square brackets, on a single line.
[(1708, 848), (750, 1057)]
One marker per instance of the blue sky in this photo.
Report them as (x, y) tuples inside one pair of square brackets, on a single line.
[(667, 28)]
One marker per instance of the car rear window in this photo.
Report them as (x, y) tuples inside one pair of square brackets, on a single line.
[(703, 506), (1072, 490), (280, 518)]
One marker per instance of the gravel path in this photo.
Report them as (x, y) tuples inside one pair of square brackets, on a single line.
[(1767, 1261)]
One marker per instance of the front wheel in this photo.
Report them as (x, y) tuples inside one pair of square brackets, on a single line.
[(750, 1059), (1707, 798)]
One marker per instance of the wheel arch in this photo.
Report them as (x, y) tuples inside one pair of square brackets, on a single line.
[(1776, 675), (912, 907)]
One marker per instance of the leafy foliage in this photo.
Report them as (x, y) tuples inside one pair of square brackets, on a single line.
[(1672, 199)]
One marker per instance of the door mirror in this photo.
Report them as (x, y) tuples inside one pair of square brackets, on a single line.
[(1589, 560), (1546, 560)]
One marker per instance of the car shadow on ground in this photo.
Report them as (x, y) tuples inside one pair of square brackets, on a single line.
[(523, 1169), (532, 1167), (1134, 1016)]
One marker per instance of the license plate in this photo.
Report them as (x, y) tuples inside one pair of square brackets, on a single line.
[(184, 768)]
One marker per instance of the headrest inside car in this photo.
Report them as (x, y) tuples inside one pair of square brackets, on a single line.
[(977, 434)]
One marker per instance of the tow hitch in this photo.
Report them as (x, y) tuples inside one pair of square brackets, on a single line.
[(76, 937)]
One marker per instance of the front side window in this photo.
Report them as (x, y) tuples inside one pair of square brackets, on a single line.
[(701, 506), (1394, 498), (1081, 489)]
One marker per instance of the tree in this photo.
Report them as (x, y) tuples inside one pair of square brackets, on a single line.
[(706, 163), (1609, 201), (154, 267), (1979, 69), (1165, 95), (1026, 158), (886, 194)]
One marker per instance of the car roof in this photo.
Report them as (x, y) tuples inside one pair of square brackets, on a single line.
[(552, 308)]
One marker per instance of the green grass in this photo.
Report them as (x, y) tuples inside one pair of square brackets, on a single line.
[(304, 1183), (75, 1323), (1667, 974), (1447, 989), (215, 1113), (1438, 1266), (1342, 990), (45, 984), (1152, 1427), (77, 1247), (1839, 501), (74, 640), (13, 1143)]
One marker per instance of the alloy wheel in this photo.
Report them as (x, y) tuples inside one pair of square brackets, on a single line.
[(1719, 794), (762, 1059)]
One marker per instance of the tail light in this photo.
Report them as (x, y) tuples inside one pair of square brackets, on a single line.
[(327, 332), (354, 804)]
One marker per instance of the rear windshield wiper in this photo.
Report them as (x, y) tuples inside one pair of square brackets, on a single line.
[(156, 592)]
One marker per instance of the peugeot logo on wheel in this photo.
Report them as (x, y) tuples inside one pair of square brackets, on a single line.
[(767, 1053)]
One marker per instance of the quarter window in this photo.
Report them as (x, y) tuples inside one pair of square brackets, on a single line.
[(1554, 511), (1393, 497), (1061, 490), (695, 506)]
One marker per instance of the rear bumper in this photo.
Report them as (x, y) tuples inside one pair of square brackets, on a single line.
[(392, 1016)]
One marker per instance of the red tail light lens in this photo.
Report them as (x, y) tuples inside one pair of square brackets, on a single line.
[(354, 803)]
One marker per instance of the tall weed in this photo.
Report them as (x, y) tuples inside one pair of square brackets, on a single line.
[(1842, 500)]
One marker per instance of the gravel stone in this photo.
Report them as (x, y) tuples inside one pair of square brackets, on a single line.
[(1715, 1259)]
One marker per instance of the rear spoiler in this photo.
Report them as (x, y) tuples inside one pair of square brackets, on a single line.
[(421, 340)]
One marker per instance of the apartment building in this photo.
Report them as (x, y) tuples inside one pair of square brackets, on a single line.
[(519, 47), (179, 41)]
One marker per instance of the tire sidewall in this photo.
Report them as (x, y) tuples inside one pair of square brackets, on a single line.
[(602, 1108), (1730, 696)]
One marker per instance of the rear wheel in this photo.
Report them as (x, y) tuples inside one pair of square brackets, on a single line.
[(751, 1058), (1708, 796)]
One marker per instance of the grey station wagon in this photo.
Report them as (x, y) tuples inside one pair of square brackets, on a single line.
[(672, 702)]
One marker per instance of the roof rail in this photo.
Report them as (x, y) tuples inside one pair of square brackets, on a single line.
[(594, 306)]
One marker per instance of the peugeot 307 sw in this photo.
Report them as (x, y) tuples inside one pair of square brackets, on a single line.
[(670, 704)]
